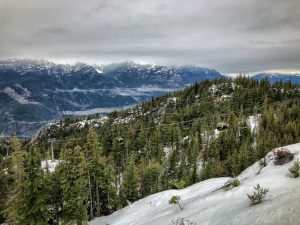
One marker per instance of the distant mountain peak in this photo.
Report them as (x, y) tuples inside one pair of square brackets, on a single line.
[(277, 77)]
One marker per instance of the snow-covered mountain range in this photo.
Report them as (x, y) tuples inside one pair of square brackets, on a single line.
[(35, 92), (206, 203), (277, 77)]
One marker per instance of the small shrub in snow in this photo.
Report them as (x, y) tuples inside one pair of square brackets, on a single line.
[(262, 163), (175, 200), (258, 195), (235, 182), (295, 169), (179, 221), (231, 184), (182, 221)]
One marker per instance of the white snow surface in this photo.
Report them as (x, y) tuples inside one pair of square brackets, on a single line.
[(253, 122), (167, 151), (98, 71), (49, 165), (19, 98), (232, 207), (96, 110)]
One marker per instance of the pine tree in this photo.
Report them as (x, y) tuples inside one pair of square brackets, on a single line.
[(33, 204), (15, 144), (73, 181), (95, 169), (119, 154), (30, 204), (56, 198), (172, 172), (151, 179), (108, 191), (246, 155), (266, 140), (130, 185), (12, 211), (193, 153), (5, 180), (235, 163), (18, 156)]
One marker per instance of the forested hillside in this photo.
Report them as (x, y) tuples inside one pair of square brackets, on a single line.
[(211, 129)]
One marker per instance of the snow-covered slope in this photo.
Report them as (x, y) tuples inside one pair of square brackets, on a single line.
[(201, 206)]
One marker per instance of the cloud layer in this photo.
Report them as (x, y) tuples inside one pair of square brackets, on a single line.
[(228, 35)]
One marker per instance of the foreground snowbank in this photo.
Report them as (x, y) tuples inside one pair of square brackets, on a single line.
[(281, 206)]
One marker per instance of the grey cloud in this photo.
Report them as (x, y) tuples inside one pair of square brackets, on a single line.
[(229, 35)]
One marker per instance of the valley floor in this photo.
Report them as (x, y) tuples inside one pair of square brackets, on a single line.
[(232, 207)]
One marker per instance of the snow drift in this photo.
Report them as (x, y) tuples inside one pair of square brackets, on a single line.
[(203, 206)]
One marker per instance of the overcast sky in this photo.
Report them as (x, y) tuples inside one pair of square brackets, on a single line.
[(228, 35)]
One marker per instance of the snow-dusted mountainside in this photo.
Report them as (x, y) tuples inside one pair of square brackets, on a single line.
[(33, 92), (202, 205), (277, 77)]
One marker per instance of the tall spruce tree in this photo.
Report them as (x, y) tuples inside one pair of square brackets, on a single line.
[(95, 169), (12, 210), (5, 179), (73, 180), (246, 155), (56, 199), (151, 179), (33, 201), (130, 185)]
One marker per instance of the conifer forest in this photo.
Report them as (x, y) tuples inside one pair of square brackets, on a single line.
[(82, 168)]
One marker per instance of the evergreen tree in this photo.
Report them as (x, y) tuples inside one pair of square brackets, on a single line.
[(130, 185), (119, 154), (235, 163), (56, 198), (73, 180), (151, 179), (5, 179), (110, 200), (33, 202), (95, 169), (30, 205), (246, 155), (12, 210), (193, 153)]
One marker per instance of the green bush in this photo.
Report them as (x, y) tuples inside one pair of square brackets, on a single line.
[(175, 200), (295, 169), (231, 184), (235, 182), (258, 195)]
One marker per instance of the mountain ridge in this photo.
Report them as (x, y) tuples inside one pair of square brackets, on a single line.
[(278, 77), (32, 92)]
